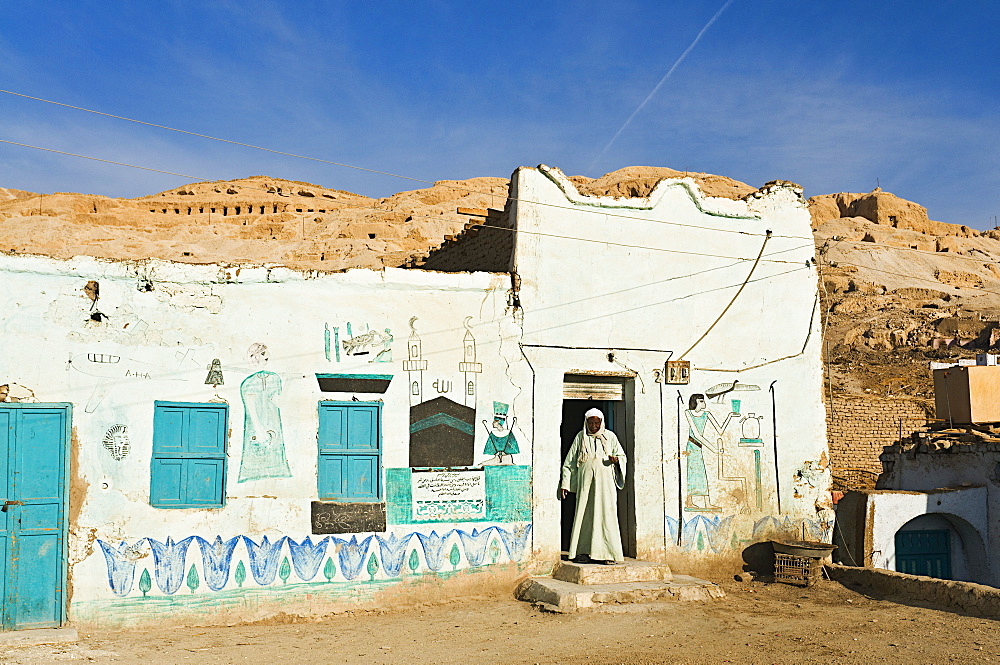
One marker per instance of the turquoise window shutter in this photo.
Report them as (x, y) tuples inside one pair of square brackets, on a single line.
[(350, 451), (188, 469)]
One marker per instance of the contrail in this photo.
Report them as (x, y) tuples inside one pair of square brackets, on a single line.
[(660, 84)]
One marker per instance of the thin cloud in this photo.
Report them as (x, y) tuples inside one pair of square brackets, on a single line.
[(659, 85)]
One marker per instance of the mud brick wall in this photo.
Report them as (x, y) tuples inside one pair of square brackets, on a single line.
[(858, 428), (485, 244), (477, 249)]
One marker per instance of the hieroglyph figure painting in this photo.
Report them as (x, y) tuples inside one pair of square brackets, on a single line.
[(263, 441), (722, 475)]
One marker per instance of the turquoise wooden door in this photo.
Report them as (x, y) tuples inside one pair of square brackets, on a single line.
[(33, 445), (924, 553)]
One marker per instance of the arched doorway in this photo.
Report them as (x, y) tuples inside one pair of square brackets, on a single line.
[(940, 545)]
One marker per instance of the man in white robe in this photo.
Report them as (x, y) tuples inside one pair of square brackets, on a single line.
[(594, 469)]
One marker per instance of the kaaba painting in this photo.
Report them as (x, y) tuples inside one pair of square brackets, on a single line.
[(442, 434)]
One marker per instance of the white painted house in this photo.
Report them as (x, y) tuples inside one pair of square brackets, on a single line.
[(931, 515), (221, 443)]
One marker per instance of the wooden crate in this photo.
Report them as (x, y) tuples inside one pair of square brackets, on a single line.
[(800, 570)]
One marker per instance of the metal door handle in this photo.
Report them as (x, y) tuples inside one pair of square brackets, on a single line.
[(11, 503)]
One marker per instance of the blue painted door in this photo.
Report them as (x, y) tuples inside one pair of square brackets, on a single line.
[(924, 553), (33, 444)]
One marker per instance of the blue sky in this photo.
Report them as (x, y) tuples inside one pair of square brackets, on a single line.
[(837, 96)]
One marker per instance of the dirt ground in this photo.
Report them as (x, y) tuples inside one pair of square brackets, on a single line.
[(755, 623)]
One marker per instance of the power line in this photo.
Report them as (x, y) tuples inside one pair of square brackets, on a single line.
[(733, 300), (539, 233), (375, 171), (98, 159), (920, 279), (863, 243)]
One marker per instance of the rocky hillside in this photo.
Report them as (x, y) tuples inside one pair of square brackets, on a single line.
[(899, 289), (256, 220)]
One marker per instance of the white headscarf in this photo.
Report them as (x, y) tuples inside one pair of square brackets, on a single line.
[(594, 413), (585, 451)]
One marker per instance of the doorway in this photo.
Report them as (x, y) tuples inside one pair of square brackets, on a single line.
[(33, 447), (924, 552), (615, 420)]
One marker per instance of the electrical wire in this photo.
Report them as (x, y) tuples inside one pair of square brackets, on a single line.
[(861, 243), (735, 296), (503, 228), (375, 171), (98, 159), (919, 279)]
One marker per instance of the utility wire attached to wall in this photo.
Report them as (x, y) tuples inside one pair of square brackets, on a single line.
[(368, 170), (483, 226), (735, 296)]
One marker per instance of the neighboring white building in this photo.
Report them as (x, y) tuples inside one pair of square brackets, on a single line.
[(223, 443), (930, 515)]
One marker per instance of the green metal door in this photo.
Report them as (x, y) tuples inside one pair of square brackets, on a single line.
[(924, 553), (33, 446)]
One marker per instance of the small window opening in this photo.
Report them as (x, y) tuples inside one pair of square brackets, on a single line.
[(371, 236), (225, 210)]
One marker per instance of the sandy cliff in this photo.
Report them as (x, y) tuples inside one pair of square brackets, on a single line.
[(899, 289)]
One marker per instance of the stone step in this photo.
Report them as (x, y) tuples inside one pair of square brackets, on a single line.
[(565, 597), (633, 570)]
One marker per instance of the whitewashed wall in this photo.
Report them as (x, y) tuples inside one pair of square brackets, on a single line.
[(974, 471), (165, 324), (598, 274)]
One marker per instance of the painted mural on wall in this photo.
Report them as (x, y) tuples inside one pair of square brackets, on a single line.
[(116, 441), (373, 345), (221, 563), (442, 434), (500, 439), (443, 408), (724, 470), (718, 535), (452, 495), (730, 484), (263, 439), (214, 377)]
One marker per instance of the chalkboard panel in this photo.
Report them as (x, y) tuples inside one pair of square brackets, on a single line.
[(348, 517)]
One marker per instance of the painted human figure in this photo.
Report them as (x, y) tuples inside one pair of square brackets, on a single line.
[(500, 439), (385, 355), (594, 469), (699, 419), (263, 441)]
